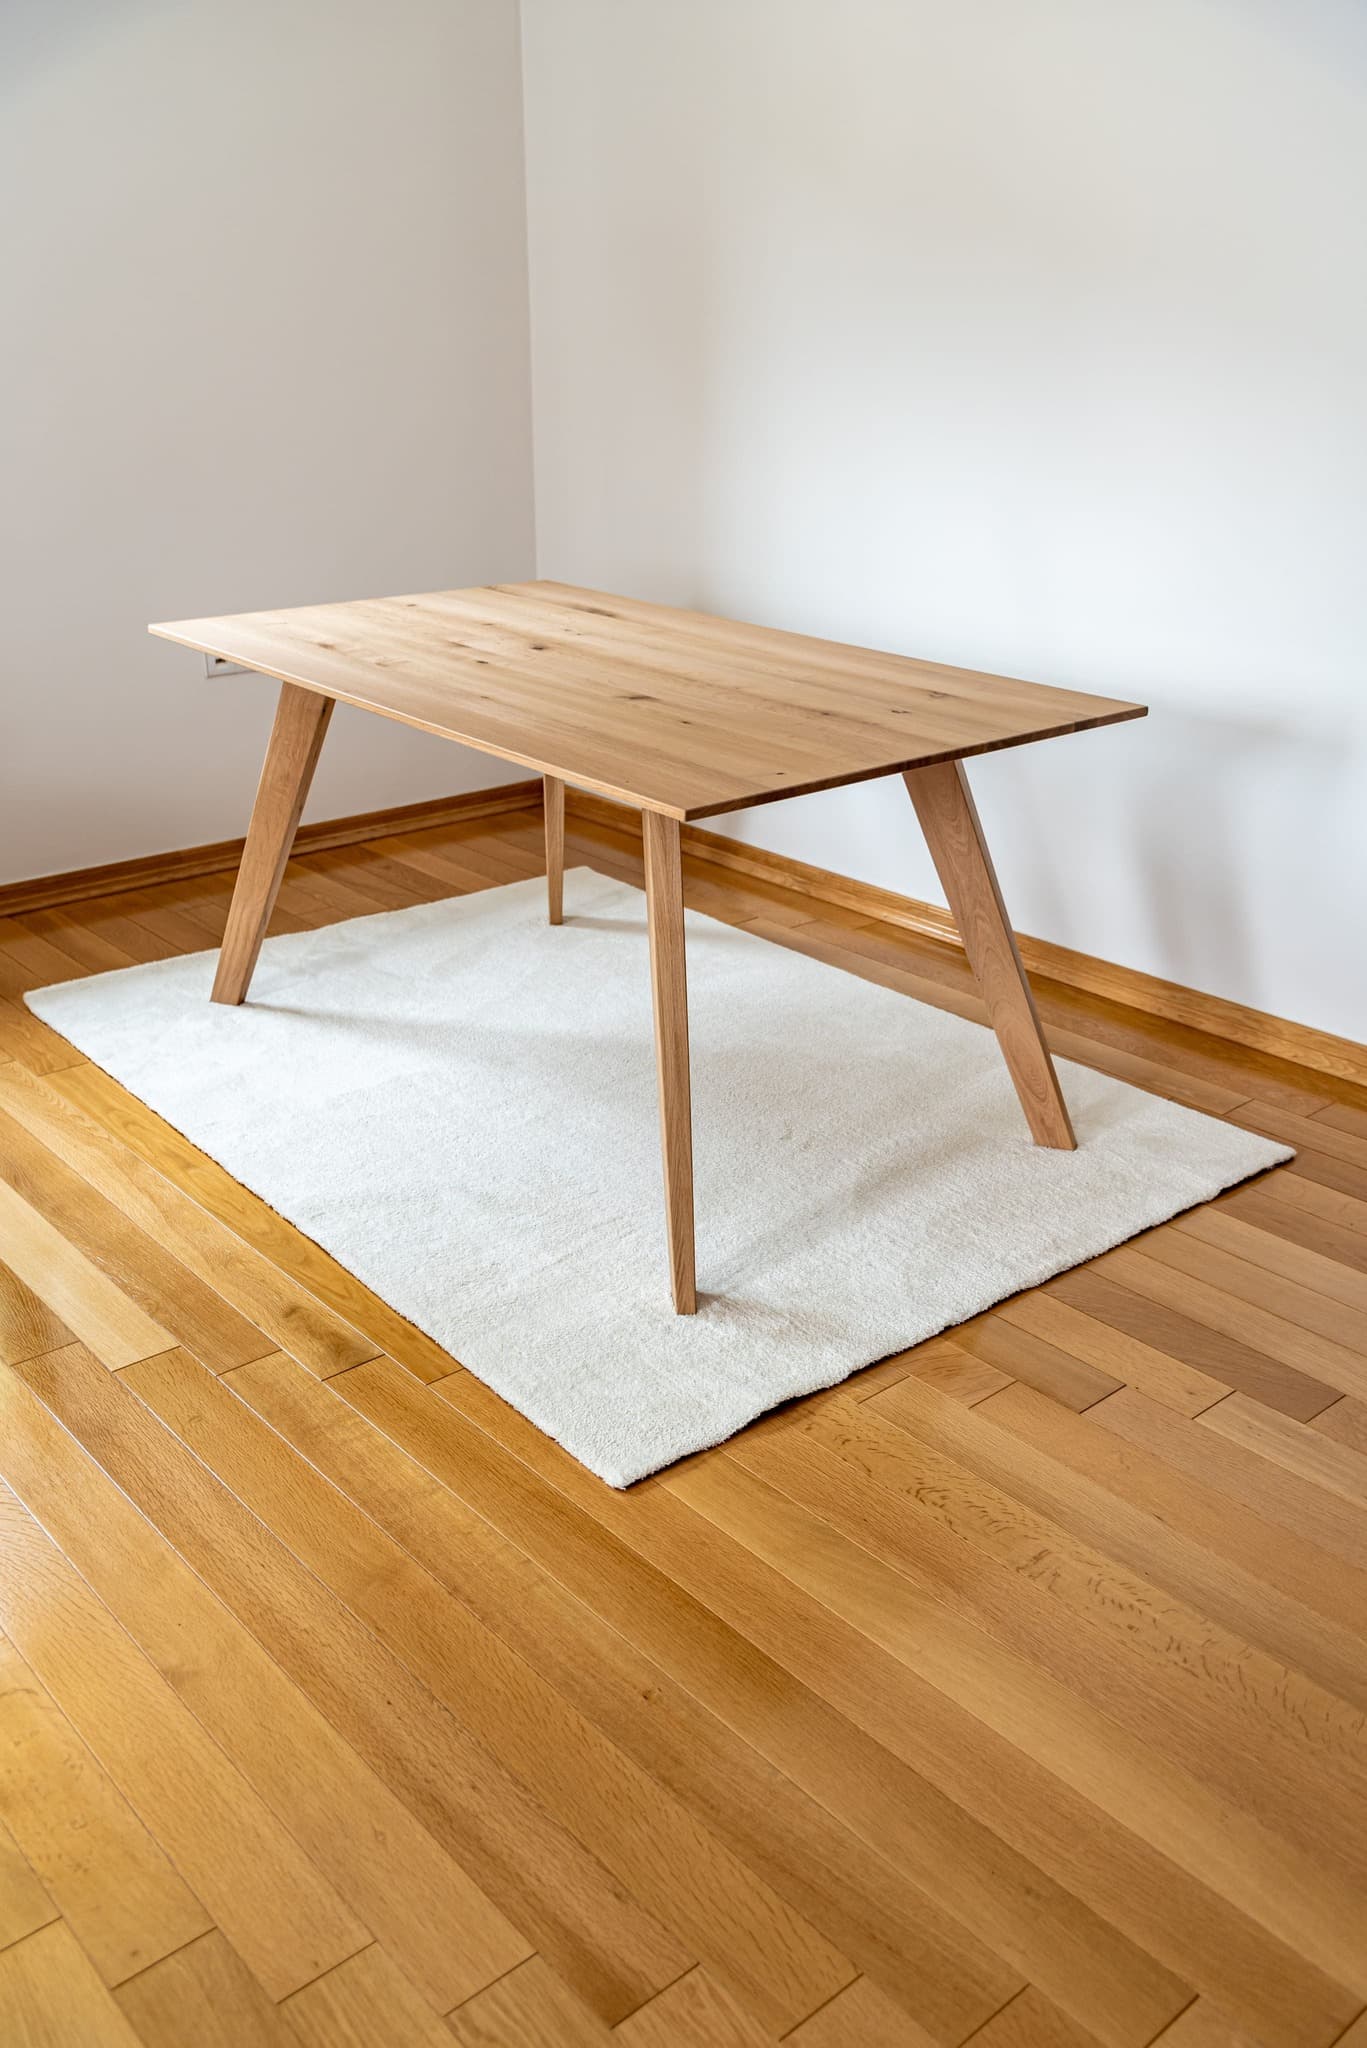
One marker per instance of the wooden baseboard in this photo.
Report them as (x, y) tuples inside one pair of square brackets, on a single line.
[(45, 891), (1255, 1029)]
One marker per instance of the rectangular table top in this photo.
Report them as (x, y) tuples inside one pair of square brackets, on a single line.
[(672, 711)]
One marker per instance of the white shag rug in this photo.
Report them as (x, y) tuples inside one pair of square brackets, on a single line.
[(457, 1101)]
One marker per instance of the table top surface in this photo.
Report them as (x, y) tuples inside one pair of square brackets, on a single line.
[(672, 711)]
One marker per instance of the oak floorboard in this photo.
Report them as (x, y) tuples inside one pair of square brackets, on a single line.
[(1346, 1422), (297, 1257), (1235, 1717), (1280, 1494), (618, 1810), (111, 1882), (872, 1729), (529, 2004), (68, 931), (1030, 2021), (364, 2001), (51, 1996), (1143, 1790), (1296, 1225), (387, 1867), (1336, 1467), (164, 1288), (859, 2017), (1091, 1967), (1065, 1945), (246, 1869), (203, 1995), (546, 1883), (1134, 1295), (1312, 1272), (1114, 1351), (24, 1905), (27, 1325), (250, 1283), (74, 1291), (1267, 1583), (693, 2013), (884, 1908)]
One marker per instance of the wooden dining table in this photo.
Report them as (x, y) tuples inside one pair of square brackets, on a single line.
[(679, 714)]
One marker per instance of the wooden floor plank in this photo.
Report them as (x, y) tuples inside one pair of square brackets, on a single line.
[(25, 1039), (1235, 1717), (1059, 1940), (1280, 1495), (28, 960), (1295, 1224), (1312, 1271), (438, 1924), (99, 1865), (1204, 1254), (859, 2018), (1197, 1932), (955, 1372), (27, 1325), (50, 1996), (363, 2002), (1346, 1422), (551, 1889), (298, 1258), (1211, 1352), (694, 2013), (65, 929), (1030, 2021), (1013, 1692), (247, 1280), (529, 2004), (1266, 1583), (195, 1313), (248, 1872), (1142, 1790), (24, 1905), (206, 1996), (115, 918), (1113, 1351), (593, 1664), (1339, 1468), (1023, 1354), (615, 1808), (813, 1849), (76, 1292), (1287, 1368)]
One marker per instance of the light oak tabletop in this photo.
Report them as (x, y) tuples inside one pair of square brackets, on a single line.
[(676, 712)]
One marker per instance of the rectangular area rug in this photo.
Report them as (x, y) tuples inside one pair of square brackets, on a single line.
[(457, 1101)]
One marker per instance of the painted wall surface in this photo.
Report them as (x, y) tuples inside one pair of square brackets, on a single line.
[(1031, 338), (263, 342)]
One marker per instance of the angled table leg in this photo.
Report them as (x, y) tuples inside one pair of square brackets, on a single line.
[(949, 818), (553, 798), (301, 720), (664, 910)]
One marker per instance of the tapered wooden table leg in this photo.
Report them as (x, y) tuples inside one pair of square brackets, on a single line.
[(949, 818), (301, 720), (553, 795), (664, 909)]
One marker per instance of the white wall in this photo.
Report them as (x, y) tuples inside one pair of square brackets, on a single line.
[(1031, 337), (263, 342)]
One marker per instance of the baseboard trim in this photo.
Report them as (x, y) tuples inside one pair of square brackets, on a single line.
[(1256, 1030), (46, 892)]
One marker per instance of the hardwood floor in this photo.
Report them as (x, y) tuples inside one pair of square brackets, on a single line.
[(1012, 1692)]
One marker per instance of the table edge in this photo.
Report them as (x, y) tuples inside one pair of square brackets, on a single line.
[(1118, 713)]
